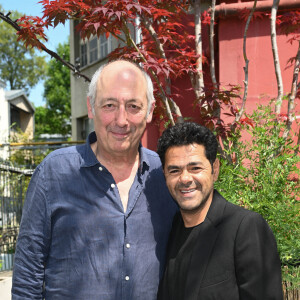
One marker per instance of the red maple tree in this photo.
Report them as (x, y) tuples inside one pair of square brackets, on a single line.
[(169, 47)]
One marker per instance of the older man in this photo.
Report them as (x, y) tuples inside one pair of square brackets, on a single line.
[(217, 250), (97, 217)]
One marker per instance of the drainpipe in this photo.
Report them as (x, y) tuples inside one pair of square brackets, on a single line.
[(232, 9)]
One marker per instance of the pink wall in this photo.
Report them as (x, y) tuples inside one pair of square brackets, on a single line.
[(262, 79), (230, 63)]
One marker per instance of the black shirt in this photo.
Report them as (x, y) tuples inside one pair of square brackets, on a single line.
[(180, 251)]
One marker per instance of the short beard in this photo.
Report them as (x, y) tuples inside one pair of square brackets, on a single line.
[(198, 208)]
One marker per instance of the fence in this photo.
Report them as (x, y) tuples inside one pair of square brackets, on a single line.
[(13, 185)]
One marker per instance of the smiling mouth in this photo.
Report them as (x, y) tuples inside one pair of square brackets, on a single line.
[(187, 191), (120, 134)]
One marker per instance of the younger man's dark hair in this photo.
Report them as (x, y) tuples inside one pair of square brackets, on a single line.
[(182, 134)]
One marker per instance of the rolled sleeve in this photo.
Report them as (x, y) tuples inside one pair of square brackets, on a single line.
[(33, 241)]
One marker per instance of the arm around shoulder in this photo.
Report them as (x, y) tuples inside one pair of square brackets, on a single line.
[(257, 262)]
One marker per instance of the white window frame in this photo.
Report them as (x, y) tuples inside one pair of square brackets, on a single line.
[(94, 55)]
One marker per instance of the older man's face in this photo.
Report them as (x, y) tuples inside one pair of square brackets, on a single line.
[(120, 109)]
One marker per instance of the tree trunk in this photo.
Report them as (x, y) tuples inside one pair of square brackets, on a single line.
[(199, 81), (246, 68), (291, 102), (165, 99), (211, 44), (276, 57)]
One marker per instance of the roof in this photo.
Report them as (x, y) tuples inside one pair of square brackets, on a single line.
[(14, 94)]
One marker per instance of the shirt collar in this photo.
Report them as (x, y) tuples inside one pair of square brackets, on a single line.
[(89, 157), (144, 161)]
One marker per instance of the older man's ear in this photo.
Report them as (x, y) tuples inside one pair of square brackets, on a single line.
[(90, 108), (150, 115)]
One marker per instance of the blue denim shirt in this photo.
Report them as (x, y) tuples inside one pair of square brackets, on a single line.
[(76, 239)]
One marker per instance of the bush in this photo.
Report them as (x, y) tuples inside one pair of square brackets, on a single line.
[(26, 157), (264, 177)]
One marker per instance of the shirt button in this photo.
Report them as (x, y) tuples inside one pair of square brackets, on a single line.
[(127, 245), (126, 278), (100, 169), (112, 185)]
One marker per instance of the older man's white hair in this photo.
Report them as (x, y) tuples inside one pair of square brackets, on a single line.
[(92, 91)]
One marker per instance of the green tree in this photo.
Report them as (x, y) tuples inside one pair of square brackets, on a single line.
[(55, 116), (22, 68)]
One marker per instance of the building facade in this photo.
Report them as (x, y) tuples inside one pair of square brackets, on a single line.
[(16, 112)]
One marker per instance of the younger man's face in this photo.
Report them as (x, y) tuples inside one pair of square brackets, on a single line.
[(190, 177)]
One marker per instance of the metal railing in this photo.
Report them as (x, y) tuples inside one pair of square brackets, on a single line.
[(13, 186)]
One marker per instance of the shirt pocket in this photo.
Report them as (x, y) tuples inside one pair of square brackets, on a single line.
[(218, 278), (221, 286)]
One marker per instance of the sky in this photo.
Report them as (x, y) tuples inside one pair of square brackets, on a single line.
[(55, 36)]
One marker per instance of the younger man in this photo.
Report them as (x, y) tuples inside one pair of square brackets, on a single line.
[(216, 250)]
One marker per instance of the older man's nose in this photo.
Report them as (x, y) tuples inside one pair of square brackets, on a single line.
[(121, 117)]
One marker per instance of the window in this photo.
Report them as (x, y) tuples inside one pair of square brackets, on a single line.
[(83, 55), (94, 50), (85, 125), (15, 120), (103, 46)]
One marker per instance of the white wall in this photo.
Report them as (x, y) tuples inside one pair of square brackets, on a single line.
[(4, 123), (4, 117)]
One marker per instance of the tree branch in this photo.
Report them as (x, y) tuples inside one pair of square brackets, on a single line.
[(174, 107), (211, 44), (292, 97), (165, 98), (246, 68), (276, 57), (15, 25), (154, 35), (298, 143), (217, 111), (199, 80)]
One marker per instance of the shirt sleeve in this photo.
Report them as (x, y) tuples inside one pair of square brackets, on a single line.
[(33, 242), (258, 269)]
